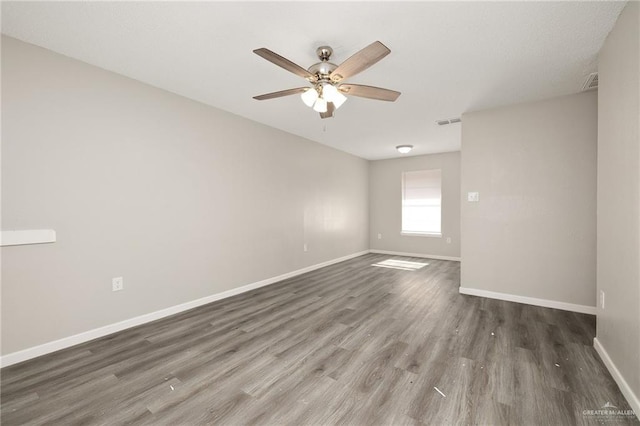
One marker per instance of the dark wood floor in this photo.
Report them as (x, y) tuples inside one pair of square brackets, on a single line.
[(346, 344)]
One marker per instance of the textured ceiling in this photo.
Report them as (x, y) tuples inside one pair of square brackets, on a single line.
[(446, 58)]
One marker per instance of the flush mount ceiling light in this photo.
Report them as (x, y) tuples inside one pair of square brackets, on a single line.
[(328, 91), (403, 149)]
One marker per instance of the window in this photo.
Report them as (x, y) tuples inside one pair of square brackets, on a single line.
[(422, 202)]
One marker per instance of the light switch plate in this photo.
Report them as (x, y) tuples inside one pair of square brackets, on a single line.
[(473, 196)]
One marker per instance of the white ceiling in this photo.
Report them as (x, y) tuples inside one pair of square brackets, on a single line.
[(446, 58)]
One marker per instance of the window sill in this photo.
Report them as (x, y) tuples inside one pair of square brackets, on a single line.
[(421, 234)]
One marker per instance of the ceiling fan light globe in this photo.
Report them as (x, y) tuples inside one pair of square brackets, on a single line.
[(320, 105), (329, 92), (339, 99), (309, 97)]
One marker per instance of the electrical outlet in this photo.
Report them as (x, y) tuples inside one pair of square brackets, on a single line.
[(448, 240), (601, 299), (379, 236), (305, 247), (473, 197), (117, 284)]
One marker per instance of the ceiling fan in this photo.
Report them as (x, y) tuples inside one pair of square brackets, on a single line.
[(328, 91)]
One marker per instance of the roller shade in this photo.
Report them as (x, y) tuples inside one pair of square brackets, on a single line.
[(422, 201)]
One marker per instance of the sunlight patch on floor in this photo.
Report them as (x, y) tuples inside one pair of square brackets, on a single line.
[(400, 264)]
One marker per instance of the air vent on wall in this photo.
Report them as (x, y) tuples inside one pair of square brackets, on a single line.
[(448, 121), (591, 82)]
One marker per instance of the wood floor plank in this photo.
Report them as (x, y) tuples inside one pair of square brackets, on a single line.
[(351, 344)]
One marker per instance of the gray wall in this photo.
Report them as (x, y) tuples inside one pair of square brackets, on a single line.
[(385, 210), (181, 199), (618, 327), (533, 231)]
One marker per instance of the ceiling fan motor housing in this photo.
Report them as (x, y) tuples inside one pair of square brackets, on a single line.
[(324, 68)]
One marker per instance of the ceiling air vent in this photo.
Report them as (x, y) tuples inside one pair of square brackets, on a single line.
[(591, 82), (448, 121)]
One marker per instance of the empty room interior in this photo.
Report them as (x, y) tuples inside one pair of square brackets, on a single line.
[(320, 213)]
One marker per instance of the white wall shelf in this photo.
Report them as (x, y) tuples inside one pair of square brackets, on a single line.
[(30, 236)]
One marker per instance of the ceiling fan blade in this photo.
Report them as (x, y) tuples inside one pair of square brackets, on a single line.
[(370, 92), (280, 93), (330, 108), (285, 63), (360, 61)]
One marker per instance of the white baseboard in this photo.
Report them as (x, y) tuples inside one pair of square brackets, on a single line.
[(632, 398), (56, 345), (421, 255), (583, 309)]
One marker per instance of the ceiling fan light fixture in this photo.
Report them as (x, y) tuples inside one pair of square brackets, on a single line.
[(320, 105), (331, 94), (309, 97), (404, 149)]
